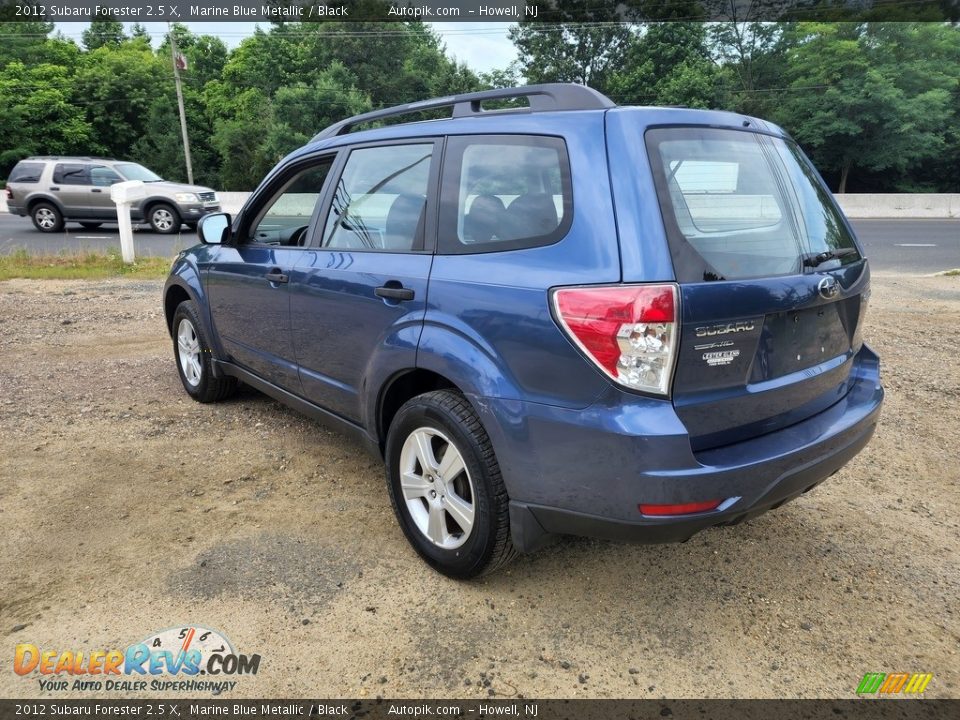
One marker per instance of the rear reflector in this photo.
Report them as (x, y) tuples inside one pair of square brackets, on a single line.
[(630, 332), (681, 509)]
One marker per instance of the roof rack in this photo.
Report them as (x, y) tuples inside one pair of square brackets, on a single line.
[(70, 157), (541, 98)]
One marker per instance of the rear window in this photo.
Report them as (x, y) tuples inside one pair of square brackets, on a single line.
[(26, 172), (742, 204), (504, 192)]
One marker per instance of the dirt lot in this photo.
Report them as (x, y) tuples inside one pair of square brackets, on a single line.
[(127, 508)]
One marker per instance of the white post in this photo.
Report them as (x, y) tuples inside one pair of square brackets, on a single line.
[(126, 232), (123, 194)]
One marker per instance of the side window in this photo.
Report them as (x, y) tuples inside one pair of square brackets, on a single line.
[(285, 218), (102, 176), (26, 172), (71, 174), (380, 200), (504, 192)]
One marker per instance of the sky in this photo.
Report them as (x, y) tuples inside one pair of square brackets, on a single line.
[(482, 46)]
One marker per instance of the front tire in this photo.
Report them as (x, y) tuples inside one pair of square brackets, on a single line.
[(193, 356), (46, 217), (164, 219), (446, 488)]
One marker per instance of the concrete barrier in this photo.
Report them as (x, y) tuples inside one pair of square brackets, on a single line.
[(900, 205), (890, 205)]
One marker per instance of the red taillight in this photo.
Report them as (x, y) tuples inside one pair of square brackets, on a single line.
[(629, 331), (680, 509)]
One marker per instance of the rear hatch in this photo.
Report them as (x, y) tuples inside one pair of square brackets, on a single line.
[(773, 288)]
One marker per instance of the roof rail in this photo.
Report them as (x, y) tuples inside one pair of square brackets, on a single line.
[(542, 98)]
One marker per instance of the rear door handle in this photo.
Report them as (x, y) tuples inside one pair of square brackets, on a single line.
[(397, 292), (276, 276), (96, 190)]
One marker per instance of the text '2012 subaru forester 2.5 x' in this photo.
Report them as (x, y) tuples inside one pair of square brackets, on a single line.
[(565, 318)]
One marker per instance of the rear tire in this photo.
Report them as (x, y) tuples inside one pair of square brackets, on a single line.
[(194, 358), (453, 508), (164, 219), (46, 217)]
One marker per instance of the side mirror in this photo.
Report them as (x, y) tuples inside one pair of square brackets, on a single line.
[(214, 229)]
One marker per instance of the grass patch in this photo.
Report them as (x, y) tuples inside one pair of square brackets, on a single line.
[(79, 266), (952, 273)]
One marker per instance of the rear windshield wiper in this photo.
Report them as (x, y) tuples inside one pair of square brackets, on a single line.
[(820, 258)]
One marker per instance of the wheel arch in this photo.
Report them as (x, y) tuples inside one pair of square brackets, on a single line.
[(32, 202), (399, 389), (151, 202)]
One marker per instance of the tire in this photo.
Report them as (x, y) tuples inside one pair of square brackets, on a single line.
[(434, 505), (91, 225), (164, 219), (46, 217), (192, 353)]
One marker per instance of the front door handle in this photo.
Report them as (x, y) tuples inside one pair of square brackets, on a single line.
[(277, 276), (96, 190), (55, 189), (394, 292)]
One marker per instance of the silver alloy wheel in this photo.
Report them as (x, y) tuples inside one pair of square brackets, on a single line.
[(188, 348), (45, 218), (162, 219), (438, 492)]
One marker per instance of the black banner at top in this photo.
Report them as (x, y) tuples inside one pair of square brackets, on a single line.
[(509, 11)]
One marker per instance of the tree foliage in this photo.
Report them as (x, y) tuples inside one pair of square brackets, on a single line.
[(877, 105)]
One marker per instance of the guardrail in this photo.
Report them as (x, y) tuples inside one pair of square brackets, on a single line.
[(855, 205)]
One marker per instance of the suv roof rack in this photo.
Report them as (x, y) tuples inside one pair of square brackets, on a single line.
[(542, 98), (69, 157)]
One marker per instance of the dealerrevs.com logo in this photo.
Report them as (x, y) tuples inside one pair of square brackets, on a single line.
[(183, 659)]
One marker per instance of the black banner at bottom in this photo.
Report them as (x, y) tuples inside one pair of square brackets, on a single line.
[(858, 709)]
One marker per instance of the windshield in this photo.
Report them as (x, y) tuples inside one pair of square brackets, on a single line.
[(133, 171), (742, 204)]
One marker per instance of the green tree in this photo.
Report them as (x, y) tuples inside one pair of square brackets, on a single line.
[(104, 30), (865, 99), (669, 64), (36, 114)]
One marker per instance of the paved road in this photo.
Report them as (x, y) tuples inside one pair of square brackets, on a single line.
[(916, 246)]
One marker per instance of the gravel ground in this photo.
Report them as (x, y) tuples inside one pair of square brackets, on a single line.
[(126, 508)]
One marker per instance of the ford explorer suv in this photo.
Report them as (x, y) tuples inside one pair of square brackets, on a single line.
[(56, 190), (560, 317)]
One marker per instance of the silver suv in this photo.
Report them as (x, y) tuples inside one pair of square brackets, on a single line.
[(53, 190)]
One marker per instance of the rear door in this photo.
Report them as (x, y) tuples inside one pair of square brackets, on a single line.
[(71, 186), (358, 296), (772, 284)]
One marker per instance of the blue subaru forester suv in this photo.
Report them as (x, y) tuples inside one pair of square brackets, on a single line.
[(555, 317)]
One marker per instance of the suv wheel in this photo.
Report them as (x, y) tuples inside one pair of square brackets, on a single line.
[(164, 219), (46, 217), (192, 351), (446, 488)]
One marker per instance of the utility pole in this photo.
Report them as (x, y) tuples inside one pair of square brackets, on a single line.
[(183, 117)]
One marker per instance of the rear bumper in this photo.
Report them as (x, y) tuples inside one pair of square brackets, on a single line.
[(584, 473)]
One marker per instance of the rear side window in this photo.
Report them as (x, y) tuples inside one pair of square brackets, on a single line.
[(741, 204), (380, 202), (504, 192), (71, 174), (26, 172)]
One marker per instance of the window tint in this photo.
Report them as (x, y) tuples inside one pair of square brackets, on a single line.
[(741, 204), (103, 176), (504, 192), (380, 200), (26, 172), (133, 171), (286, 217), (71, 174)]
